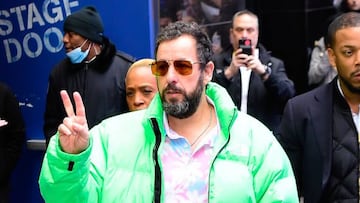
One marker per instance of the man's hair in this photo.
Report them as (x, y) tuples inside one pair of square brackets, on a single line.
[(180, 28), (244, 12), (350, 19)]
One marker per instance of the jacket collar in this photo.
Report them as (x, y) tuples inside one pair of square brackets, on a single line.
[(225, 108)]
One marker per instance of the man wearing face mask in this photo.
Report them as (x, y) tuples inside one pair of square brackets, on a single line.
[(92, 67)]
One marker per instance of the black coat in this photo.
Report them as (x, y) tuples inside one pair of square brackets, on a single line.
[(12, 136), (101, 83), (306, 136), (266, 100)]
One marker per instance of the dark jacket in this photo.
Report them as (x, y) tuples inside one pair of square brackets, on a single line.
[(306, 135), (266, 100), (101, 83), (12, 137)]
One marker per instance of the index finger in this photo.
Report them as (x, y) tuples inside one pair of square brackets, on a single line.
[(67, 103)]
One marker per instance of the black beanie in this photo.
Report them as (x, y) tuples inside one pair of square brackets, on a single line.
[(87, 23)]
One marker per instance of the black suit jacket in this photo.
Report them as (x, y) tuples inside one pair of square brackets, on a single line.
[(306, 136), (266, 99)]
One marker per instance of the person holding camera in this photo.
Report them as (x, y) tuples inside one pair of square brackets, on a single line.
[(256, 81)]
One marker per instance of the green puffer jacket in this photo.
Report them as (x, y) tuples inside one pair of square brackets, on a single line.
[(122, 163)]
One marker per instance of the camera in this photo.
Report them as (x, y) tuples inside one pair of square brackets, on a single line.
[(245, 45)]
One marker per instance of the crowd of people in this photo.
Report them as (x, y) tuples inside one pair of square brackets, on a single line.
[(194, 124), (190, 142)]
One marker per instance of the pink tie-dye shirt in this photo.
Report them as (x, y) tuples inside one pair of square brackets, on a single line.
[(186, 172)]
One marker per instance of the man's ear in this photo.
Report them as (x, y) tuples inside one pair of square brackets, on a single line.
[(209, 68), (331, 56)]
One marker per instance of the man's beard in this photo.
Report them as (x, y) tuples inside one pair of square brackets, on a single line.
[(349, 86), (187, 107)]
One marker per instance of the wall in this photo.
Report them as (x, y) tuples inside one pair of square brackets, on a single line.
[(31, 43)]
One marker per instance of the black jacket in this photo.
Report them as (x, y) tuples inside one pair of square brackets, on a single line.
[(306, 135), (12, 137), (266, 100), (101, 83)]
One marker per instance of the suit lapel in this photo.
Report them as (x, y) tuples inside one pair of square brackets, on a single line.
[(322, 117)]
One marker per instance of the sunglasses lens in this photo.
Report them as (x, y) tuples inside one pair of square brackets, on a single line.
[(159, 68), (183, 67)]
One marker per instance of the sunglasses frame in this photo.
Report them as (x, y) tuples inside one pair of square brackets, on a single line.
[(178, 69)]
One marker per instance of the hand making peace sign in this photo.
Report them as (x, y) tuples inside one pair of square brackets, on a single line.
[(74, 131)]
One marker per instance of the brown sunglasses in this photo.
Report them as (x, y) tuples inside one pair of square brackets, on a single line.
[(183, 67)]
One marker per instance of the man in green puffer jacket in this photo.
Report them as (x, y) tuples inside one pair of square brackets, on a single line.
[(190, 145)]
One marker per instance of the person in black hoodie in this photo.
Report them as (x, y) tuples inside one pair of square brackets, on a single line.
[(93, 67), (12, 138)]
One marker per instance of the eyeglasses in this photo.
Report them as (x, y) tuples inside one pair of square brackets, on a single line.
[(183, 67)]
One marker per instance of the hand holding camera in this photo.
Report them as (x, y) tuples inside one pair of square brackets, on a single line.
[(242, 56), (252, 62)]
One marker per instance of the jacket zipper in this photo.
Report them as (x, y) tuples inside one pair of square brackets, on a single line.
[(157, 181)]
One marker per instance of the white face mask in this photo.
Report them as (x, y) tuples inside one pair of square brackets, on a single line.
[(77, 55)]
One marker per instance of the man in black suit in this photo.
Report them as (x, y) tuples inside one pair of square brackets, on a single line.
[(320, 129), (256, 81)]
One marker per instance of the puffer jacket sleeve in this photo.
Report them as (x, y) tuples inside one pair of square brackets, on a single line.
[(72, 178), (274, 179)]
